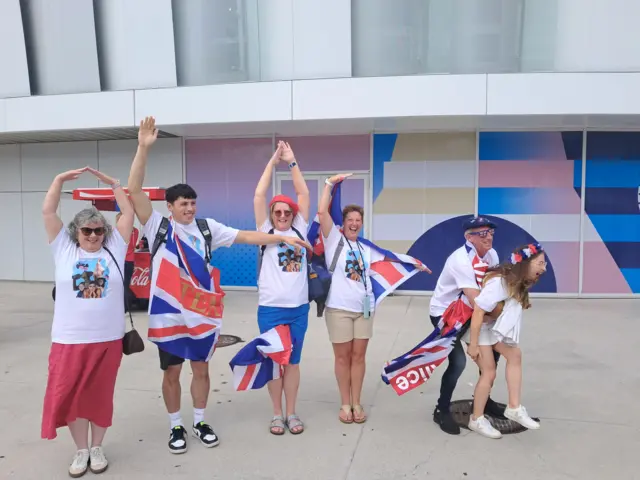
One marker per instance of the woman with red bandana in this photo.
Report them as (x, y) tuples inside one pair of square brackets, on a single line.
[(283, 289)]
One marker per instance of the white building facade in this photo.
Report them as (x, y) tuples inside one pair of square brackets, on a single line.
[(524, 110)]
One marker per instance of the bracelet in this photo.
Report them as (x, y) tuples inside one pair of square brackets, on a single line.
[(328, 182), (116, 185), (292, 164)]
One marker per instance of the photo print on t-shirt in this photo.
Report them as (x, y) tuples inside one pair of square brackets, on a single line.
[(90, 278), (290, 258), (196, 243), (354, 267)]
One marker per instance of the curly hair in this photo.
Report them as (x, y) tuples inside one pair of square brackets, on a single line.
[(85, 217), (515, 272), (352, 208)]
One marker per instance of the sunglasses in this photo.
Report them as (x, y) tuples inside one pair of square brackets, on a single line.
[(282, 213), (86, 231), (483, 233)]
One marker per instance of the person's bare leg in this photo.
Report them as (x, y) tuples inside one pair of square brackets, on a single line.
[(97, 435), (487, 366), (200, 384), (358, 368), (513, 372), (275, 392), (291, 385), (342, 367), (171, 389), (79, 429)]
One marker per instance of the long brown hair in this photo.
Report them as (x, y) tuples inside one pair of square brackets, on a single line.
[(514, 272)]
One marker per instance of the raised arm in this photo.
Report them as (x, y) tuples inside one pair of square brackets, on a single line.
[(299, 184), (260, 197), (326, 222), (125, 222), (52, 222), (147, 135)]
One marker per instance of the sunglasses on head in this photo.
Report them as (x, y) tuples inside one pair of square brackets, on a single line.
[(483, 233), (282, 213), (86, 231)]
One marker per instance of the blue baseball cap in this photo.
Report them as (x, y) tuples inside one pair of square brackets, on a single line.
[(476, 222)]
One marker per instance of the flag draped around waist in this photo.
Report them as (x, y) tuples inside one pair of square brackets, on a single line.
[(186, 302)]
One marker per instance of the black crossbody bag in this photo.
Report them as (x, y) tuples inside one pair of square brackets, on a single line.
[(132, 341)]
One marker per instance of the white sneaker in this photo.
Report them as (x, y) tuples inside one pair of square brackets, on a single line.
[(482, 426), (521, 416), (98, 462), (79, 464)]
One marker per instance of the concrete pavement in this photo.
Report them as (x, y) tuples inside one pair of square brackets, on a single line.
[(581, 377)]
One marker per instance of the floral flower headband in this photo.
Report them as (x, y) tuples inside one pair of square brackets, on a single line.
[(527, 252)]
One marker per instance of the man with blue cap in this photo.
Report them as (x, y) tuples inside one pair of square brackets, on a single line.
[(462, 276)]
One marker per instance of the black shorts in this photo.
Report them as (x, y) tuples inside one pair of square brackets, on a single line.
[(167, 359)]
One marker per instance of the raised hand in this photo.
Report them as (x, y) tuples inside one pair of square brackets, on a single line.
[(148, 132), (424, 268), (275, 158), (286, 154), (339, 177), (71, 174), (295, 241), (103, 177)]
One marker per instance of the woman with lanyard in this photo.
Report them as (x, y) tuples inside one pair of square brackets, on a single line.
[(350, 304)]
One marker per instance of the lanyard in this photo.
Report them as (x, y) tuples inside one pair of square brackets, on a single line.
[(364, 267)]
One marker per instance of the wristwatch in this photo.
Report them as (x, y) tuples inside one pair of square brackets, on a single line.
[(292, 164)]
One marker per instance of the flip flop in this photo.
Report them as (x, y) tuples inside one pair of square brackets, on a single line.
[(347, 410), (358, 414)]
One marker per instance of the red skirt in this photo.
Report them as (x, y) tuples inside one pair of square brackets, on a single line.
[(82, 380)]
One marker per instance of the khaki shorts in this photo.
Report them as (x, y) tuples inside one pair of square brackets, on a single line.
[(344, 326)]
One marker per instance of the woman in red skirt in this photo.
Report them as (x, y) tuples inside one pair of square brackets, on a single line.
[(88, 321)]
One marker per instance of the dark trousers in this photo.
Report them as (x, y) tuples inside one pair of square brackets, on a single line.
[(457, 362)]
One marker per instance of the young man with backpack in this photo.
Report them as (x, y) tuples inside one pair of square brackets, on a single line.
[(204, 236)]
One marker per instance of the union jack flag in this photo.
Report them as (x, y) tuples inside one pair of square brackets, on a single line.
[(385, 275), (262, 359), (186, 302), (415, 367)]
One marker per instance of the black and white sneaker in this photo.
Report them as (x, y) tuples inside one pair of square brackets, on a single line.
[(205, 433), (178, 440)]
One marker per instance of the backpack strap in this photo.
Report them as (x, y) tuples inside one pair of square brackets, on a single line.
[(203, 226), (336, 255), (160, 237)]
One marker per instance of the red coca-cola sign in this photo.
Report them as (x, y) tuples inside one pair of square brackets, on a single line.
[(141, 279)]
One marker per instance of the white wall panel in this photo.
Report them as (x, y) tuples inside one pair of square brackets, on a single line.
[(66, 112), (41, 162), (38, 262), (11, 242), (275, 20), (61, 46), (10, 180), (164, 164), (14, 80), (128, 59)]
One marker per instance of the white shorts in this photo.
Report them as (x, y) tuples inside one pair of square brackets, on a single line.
[(486, 337)]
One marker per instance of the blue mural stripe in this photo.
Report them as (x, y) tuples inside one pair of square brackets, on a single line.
[(617, 228), (613, 173), (526, 145), (612, 200), (618, 145), (383, 145), (577, 174), (625, 254), (513, 200), (632, 276)]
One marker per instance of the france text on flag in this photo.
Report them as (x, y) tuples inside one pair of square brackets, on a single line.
[(186, 302), (262, 359), (386, 275)]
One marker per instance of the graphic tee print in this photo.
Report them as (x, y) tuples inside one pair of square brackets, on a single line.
[(90, 278), (355, 266), (290, 258)]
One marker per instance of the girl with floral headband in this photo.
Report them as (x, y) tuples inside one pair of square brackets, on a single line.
[(508, 283)]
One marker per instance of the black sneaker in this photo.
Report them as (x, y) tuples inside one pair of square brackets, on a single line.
[(446, 421), (206, 435), (178, 440)]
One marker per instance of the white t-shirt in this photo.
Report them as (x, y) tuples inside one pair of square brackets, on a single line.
[(459, 273), (283, 280), (493, 292), (89, 305), (347, 283), (221, 236)]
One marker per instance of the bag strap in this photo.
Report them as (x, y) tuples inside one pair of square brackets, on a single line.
[(126, 299), (203, 226), (160, 237), (336, 255)]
